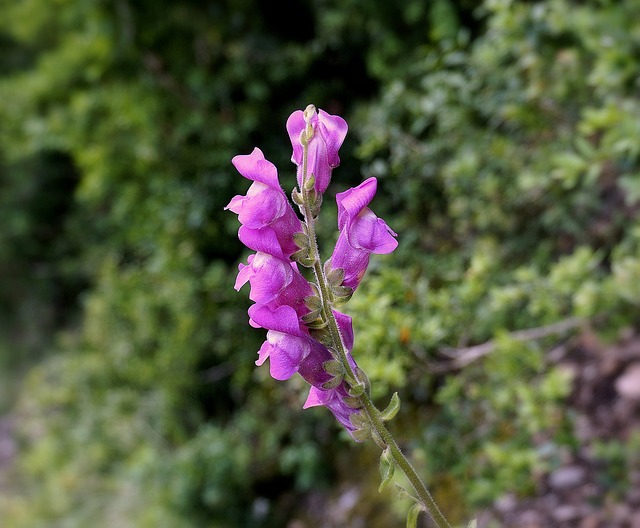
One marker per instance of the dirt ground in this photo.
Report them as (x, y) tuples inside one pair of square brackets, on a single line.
[(598, 487)]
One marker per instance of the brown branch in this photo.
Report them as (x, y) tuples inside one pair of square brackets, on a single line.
[(461, 357)]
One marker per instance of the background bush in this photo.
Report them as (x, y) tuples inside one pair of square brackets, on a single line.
[(506, 141)]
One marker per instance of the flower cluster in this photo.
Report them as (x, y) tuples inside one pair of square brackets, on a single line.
[(297, 312)]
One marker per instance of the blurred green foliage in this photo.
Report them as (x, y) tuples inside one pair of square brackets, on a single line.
[(506, 141)]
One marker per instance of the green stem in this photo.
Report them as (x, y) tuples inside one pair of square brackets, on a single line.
[(371, 411), (403, 463)]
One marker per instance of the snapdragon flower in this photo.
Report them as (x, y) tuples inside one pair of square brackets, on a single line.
[(291, 349), (268, 222), (274, 282), (327, 135), (361, 233), (282, 295)]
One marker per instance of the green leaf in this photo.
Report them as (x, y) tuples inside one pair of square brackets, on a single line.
[(387, 468), (412, 516), (392, 409)]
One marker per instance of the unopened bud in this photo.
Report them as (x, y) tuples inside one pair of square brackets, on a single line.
[(310, 183), (309, 113), (304, 140)]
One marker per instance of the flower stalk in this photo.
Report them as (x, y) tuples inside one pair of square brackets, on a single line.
[(306, 334)]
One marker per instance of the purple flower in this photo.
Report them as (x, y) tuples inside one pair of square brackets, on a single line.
[(329, 132), (290, 349), (274, 282), (283, 299), (361, 233), (288, 343), (333, 399), (268, 220), (289, 346)]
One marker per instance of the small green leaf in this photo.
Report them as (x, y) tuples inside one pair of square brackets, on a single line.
[(392, 409), (412, 516), (387, 468)]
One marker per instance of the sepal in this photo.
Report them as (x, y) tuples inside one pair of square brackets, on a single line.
[(322, 335), (363, 379), (359, 421), (302, 240), (335, 276), (316, 324), (334, 367), (315, 202), (375, 436), (332, 383), (314, 304), (302, 257), (297, 197), (362, 427), (352, 402), (341, 295), (361, 435)]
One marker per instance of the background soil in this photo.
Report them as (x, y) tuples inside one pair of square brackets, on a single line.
[(597, 487)]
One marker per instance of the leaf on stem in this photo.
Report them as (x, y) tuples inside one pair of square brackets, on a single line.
[(412, 516), (392, 409), (387, 468)]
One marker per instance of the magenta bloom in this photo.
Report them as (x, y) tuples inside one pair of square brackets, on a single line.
[(332, 399), (329, 133), (288, 343), (290, 349), (286, 304), (268, 220), (289, 346), (274, 282), (361, 233)]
